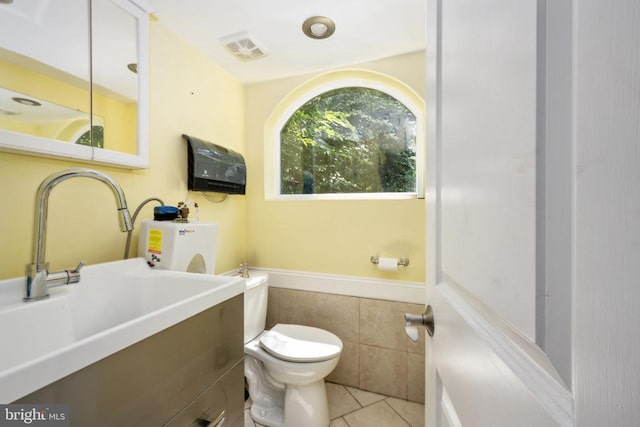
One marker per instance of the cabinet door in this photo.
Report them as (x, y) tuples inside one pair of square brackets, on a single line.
[(114, 60), (45, 73)]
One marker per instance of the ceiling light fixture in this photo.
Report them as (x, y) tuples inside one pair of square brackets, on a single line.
[(26, 101), (318, 27)]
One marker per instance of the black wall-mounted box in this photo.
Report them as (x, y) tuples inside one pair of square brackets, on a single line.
[(214, 168)]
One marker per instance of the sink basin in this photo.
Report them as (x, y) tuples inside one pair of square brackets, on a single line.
[(115, 305)]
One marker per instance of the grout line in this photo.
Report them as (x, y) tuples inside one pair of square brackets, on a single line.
[(359, 338), (355, 410), (354, 397), (349, 413), (399, 414), (406, 383)]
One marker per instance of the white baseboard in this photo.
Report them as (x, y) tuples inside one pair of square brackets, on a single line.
[(363, 287)]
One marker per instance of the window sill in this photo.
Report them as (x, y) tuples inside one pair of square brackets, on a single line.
[(346, 196)]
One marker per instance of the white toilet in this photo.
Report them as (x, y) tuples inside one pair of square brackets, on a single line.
[(285, 367)]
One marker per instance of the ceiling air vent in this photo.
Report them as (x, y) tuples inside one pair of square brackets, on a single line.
[(243, 46)]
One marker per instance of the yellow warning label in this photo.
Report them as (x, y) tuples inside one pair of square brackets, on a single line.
[(155, 242)]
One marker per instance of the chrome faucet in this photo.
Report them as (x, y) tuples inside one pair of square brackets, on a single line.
[(39, 279)]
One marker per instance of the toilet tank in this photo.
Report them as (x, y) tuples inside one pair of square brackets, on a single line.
[(255, 305)]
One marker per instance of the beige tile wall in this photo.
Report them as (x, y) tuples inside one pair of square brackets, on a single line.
[(377, 355)]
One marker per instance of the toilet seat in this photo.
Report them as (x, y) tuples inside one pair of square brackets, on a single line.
[(297, 343)]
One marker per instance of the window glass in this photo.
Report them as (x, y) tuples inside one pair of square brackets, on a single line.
[(349, 140)]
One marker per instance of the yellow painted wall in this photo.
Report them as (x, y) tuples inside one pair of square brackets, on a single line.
[(329, 236), (189, 94)]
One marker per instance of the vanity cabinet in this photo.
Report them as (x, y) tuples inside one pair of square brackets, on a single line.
[(189, 374)]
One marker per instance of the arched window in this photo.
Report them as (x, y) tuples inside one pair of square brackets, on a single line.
[(93, 137), (350, 139)]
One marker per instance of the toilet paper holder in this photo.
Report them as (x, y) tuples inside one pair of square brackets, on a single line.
[(402, 262)]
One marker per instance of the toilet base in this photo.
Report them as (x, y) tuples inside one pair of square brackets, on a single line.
[(270, 417), (304, 405)]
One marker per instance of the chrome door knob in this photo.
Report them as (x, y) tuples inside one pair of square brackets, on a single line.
[(425, 319)]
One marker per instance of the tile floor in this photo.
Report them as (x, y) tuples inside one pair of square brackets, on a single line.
[(350, 407)]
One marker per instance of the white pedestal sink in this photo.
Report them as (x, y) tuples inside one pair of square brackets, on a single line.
[(115, 305)]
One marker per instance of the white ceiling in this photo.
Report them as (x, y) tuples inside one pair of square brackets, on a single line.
[(365, 30)]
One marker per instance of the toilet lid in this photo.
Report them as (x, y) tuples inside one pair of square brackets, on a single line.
[(296, 343)]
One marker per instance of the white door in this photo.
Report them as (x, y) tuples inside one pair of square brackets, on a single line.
[(484, 367)]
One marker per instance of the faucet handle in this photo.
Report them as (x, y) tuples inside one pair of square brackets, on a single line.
[(80, 265), (73, 276)]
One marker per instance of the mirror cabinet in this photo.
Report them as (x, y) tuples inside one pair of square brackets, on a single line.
[(74, 80)]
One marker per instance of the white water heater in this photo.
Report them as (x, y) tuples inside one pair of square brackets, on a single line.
[(179, 246)]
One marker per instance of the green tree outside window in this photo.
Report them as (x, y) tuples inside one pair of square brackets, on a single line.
[(96, 134), (349, 140)]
